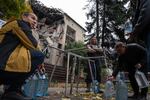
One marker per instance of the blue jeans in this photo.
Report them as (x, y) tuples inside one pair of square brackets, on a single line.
[(37, 58), (96, 71)]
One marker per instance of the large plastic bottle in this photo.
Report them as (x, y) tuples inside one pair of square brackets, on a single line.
[(45, 85), (42, 85), (121, 87), (95, 86), (128, 26), (141, 79), (109, 90), (30, 87)]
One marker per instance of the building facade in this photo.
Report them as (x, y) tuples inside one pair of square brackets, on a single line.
[(58, 35)]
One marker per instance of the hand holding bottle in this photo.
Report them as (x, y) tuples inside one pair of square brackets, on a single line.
[(112, 78), (138, 66)]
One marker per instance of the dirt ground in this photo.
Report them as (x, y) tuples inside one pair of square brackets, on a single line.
[(58, 93)]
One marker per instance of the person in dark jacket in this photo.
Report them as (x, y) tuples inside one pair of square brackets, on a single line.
[(130, 58), (20, 55), (141, 23)]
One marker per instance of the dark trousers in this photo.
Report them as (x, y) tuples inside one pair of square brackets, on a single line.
[(134, 84), (15, 80)]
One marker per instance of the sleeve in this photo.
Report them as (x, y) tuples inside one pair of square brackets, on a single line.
[(89, 48), (25, 40), (115, 72), (142, 55), (117, 68)]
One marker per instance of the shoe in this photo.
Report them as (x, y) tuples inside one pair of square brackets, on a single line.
[(134, 97), (14, 96)]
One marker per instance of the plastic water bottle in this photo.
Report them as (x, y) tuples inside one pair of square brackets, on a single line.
[(128, 26), (95, 86), (141, 79), (45, 85), (122, 76), (121, 87), (109, 90), (42, 85), (2, 22), (30, 87)]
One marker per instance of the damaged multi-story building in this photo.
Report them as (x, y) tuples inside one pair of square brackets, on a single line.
[(55, 29)]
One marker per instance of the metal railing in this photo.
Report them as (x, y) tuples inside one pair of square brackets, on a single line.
[(75, 56)]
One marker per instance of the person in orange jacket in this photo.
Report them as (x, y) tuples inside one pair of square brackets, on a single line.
[(20, 55)]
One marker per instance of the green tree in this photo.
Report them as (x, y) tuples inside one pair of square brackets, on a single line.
[(112, 16), (76, 47), (13, 8), (80, 49)]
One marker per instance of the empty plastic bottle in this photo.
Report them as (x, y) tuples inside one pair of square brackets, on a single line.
[(30, 87), (95, 86), (128, 27), (121, 87), (141, 79), (42, 85), (122, 76), (109, 90)]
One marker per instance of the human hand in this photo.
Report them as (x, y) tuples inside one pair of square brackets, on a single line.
[(112, 78), (138, 65), (92, 50), (99, 49), (41, 68), (132, 37), (129, 34)]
